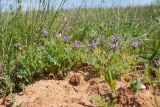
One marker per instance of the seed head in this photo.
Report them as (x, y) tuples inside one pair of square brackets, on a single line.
[(18, 45)]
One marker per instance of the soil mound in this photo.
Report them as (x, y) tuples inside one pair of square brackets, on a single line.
[(76, 90)]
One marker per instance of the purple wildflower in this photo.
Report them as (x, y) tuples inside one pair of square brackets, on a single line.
[(92, 44), (77, 44), (66, 39), (114, 38), (114, 46), (157, 62), (45, 32), (135, 44)]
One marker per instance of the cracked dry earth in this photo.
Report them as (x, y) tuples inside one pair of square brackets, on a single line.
[(76, 91)]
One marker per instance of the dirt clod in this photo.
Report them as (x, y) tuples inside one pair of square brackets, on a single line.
[(74, 80)]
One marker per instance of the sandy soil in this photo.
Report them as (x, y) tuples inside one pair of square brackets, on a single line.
[(75, 91)]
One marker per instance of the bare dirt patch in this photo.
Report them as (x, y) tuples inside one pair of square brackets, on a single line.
[(76, 90), (61, 93)]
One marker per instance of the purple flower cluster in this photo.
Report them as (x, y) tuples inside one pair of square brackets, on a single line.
[(66, 39), (114, 40), (77, 44), (135, 44), (157, 62), (45, 32), (92, 44), (114, 46)]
